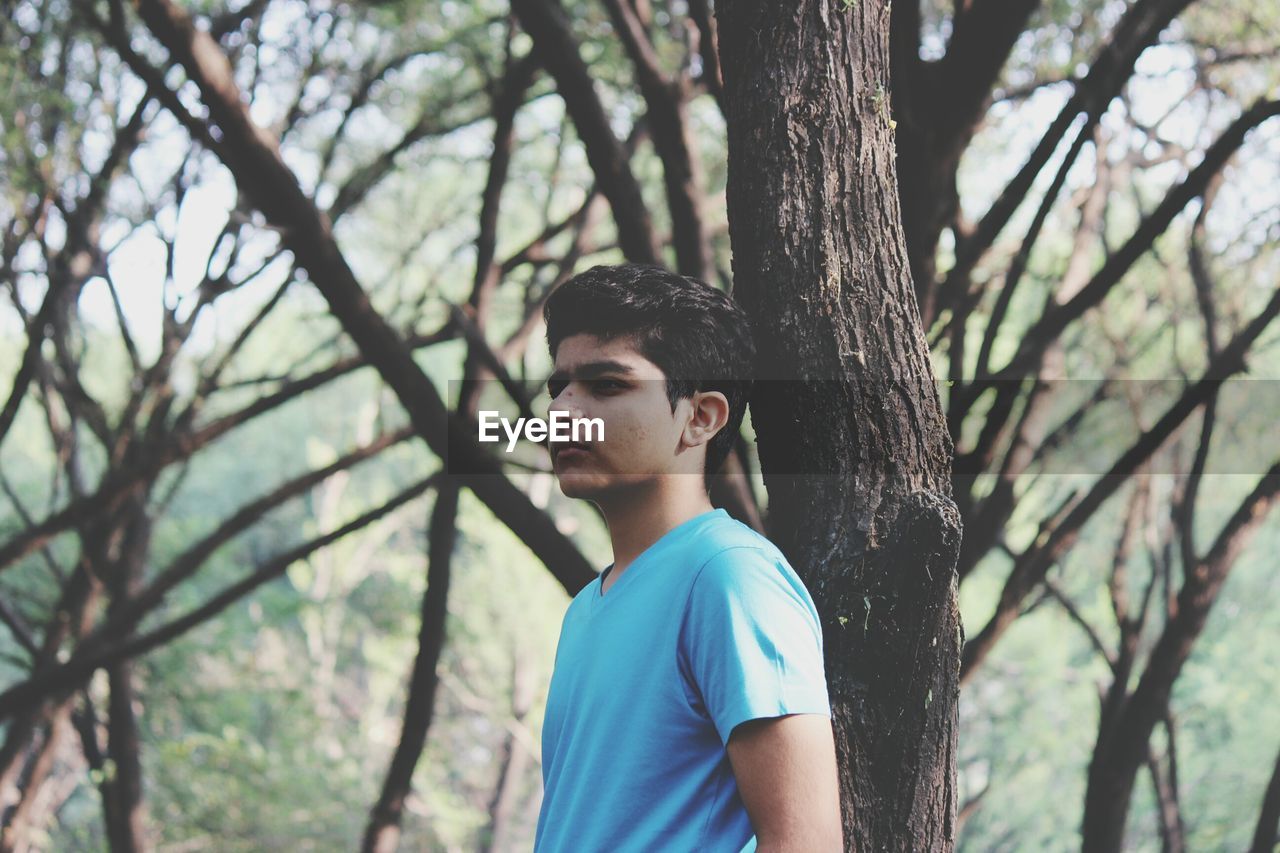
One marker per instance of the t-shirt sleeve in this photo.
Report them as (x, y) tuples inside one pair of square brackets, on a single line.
[(751, 642)]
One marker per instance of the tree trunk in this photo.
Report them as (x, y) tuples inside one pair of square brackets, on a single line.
[(514, 763), (1267, 833), (124, 809), (382, 833), (854, 448)]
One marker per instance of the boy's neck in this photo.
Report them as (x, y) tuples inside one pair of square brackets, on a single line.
[(650, 512)]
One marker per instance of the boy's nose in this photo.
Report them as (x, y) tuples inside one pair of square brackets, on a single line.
[(566, 403)]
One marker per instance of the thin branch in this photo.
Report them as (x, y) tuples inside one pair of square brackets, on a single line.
[(70, 675), (547, 25), (1069, 606), (1032, 567)]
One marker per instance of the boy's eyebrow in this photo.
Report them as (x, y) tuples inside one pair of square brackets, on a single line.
[(591, 369)]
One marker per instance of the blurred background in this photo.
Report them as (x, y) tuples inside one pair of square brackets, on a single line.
[(240, 608)]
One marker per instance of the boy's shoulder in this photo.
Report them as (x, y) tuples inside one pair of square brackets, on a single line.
[(726, 532), (741, 562)]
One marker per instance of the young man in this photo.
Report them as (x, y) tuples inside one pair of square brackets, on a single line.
[(688, 709)]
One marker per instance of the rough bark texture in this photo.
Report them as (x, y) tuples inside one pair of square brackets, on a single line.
[(848, 391)]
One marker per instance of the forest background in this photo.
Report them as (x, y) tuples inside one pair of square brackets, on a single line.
[(239, 609)]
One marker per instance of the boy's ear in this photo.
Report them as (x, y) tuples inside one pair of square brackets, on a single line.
[(709, 415)]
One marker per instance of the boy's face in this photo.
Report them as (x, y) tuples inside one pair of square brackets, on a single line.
[(643, 438)]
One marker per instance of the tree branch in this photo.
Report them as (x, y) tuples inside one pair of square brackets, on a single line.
[(554, 45)]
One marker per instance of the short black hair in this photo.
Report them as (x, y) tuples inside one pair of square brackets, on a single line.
[(696, 334)]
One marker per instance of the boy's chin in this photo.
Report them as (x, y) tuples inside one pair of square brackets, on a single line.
[(575, 485)]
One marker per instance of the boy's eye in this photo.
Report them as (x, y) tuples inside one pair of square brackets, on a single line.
[(555, 386)]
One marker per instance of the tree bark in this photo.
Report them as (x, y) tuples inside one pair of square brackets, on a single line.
[(854, 448)]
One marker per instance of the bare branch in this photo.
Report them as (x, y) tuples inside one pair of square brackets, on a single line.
[(70, 675), (545, 22), (254, 158), (1032, 566)]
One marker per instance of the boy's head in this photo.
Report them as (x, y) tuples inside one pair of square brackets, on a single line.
[(679, 341)]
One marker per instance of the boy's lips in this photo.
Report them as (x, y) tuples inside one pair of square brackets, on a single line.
[(562, 446)]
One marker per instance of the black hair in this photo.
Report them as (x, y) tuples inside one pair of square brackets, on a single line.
[(698, 336)]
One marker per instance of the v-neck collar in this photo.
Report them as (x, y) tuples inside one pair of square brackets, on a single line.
[(602, 596)]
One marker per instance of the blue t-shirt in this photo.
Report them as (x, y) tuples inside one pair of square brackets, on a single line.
[(708, 628)]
